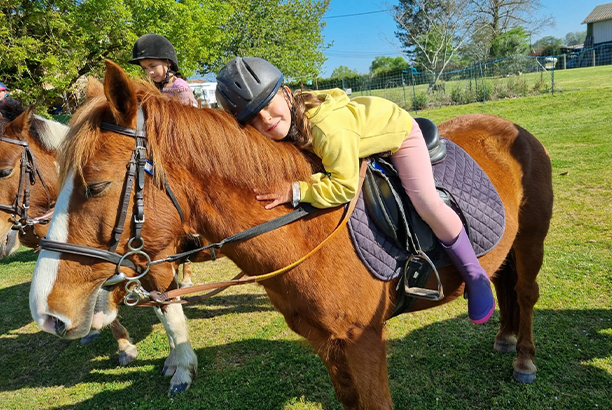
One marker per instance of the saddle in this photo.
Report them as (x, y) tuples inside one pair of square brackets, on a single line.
[(391, 210)]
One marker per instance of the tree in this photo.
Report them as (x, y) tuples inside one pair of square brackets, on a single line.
[(511, 43), (343, 72), (431, 31), (46, 46), (503, 15), (288, 33), (548, 46), (384, 64), (496, 17), (574, 38)]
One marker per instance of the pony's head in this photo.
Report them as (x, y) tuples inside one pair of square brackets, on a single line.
[(196, 151), (28, 174)]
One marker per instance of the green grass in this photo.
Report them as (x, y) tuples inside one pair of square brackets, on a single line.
[(249, 359)]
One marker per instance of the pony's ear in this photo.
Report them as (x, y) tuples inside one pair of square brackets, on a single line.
[(120, 93), (20, 126), (94, 88)]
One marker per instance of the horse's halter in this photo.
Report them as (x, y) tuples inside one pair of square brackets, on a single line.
[(135, 175), (27, 177)]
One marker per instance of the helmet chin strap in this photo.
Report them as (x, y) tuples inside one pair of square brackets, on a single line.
[(160, 86)]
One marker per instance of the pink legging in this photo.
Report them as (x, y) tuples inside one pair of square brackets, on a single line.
[(414, 169)]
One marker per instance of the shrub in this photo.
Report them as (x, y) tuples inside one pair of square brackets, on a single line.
[(421, 101)]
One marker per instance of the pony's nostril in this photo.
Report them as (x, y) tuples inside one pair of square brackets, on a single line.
[(60, 327)]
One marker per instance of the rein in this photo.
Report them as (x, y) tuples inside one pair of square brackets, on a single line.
[(136, 294), (27, 177)]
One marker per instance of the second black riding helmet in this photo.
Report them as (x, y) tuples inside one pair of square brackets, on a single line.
[(246, 85), (154, 46)]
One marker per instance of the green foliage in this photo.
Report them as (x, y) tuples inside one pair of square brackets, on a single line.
[(288, 33), (343, 72), (47, 46), (382, 65), (421, 101), (548, 46), (574, 38), (512, 42)]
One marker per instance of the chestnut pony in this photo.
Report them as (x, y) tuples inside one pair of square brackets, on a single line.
[(214, 166), (43, 138)]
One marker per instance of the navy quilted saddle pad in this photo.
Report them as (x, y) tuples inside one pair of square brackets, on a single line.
[(472, 189)]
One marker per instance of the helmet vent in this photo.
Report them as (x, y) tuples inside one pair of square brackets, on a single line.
[(237, 84), (252, 73)]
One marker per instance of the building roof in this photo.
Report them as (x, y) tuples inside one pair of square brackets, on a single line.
[(602, 12)]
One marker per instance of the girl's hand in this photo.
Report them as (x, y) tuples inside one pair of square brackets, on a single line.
[(281, 196)]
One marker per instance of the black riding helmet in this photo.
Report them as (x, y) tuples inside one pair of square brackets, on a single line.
[(246, 85), (154, 46)]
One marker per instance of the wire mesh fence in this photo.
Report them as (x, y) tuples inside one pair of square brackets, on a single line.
[(510, 77)]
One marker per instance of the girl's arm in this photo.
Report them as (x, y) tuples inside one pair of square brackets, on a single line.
[(339, 153)]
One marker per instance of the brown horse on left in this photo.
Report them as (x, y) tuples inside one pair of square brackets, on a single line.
[(214, 166), (43, 138)]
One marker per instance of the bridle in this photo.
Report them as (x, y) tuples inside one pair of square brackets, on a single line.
[(28, 173), (134, 178)]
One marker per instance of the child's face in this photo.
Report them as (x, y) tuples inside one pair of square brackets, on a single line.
[(155, 69), (3, 94), (274, 120)]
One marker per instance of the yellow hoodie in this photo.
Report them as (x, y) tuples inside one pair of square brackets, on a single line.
[(343, 131)]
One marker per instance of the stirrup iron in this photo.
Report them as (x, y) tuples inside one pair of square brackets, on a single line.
[(416, 260)]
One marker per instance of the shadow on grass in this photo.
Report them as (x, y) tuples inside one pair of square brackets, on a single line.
[(449, 364)]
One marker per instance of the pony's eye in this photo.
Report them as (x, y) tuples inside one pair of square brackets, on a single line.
[(95, 188), (6, 172)]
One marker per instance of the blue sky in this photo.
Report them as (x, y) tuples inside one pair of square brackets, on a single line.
[(358, 39)]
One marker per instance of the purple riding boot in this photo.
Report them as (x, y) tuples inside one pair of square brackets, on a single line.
[(481, 303)]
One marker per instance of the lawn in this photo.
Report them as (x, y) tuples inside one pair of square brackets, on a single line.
[(249, 359)]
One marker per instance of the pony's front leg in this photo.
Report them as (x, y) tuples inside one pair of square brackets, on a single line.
[(127, 351), (187, 272), (182, 363)]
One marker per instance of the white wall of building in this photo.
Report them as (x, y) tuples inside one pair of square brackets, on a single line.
[(204, 90), (602, 31)]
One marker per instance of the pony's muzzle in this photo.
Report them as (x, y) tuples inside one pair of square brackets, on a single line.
[(53, 324)]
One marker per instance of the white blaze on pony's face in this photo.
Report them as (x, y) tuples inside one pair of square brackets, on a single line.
[(45, 272), (55, 317)]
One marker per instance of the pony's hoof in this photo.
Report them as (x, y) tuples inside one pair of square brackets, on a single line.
[(523, 377), (93, 335), (504, 347), (185, 284), (168, 370), (179, 388), (128, 355)]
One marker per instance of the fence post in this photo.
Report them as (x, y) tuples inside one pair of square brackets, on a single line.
[(553, 78), (404, 89), (564, 61), (593, 57), (416, 110), (484, 90)]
